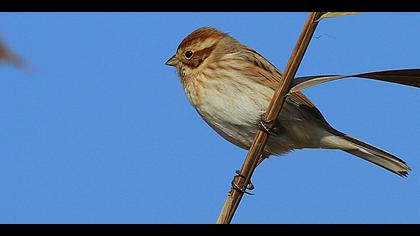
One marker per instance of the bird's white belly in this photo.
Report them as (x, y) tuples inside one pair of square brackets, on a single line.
[(231, 112)]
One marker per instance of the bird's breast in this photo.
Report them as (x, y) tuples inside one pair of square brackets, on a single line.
[(231, 105)]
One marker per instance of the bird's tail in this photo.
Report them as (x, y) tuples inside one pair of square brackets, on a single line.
[(367, 152)]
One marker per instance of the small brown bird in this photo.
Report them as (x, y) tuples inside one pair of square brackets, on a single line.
[(231, 85)]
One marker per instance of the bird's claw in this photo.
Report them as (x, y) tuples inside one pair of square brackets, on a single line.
[(249, 186), (262, 124)]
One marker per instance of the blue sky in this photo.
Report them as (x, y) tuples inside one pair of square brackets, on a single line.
[(100, 131)]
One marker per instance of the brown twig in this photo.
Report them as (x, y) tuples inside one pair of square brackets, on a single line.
[(273, 111)]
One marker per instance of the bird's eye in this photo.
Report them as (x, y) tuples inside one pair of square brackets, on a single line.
[(188, 54)]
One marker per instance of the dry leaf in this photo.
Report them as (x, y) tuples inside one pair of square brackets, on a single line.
[(409, 77), (335, 14)]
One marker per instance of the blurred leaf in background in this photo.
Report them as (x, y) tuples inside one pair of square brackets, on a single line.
[(9, 57)]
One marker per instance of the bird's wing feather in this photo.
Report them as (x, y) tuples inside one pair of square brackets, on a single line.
[(267, 73)]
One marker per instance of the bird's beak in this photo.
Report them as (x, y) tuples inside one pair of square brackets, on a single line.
[(172, 61)]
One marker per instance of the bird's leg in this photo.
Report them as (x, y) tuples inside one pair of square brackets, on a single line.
[(263, 125), (263, 122), (249, 186)]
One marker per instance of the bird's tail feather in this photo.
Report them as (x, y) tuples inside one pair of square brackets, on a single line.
[(370, 153)]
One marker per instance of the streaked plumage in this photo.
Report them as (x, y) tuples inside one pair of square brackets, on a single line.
[(231, 85)]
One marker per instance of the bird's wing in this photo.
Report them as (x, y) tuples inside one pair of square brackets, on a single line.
[(409, 77), (262, 71)]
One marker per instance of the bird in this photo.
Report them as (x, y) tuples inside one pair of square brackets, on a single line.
[(230, 85)]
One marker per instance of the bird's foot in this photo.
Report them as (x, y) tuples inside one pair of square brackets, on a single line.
[(249, 186), (263, 124)]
